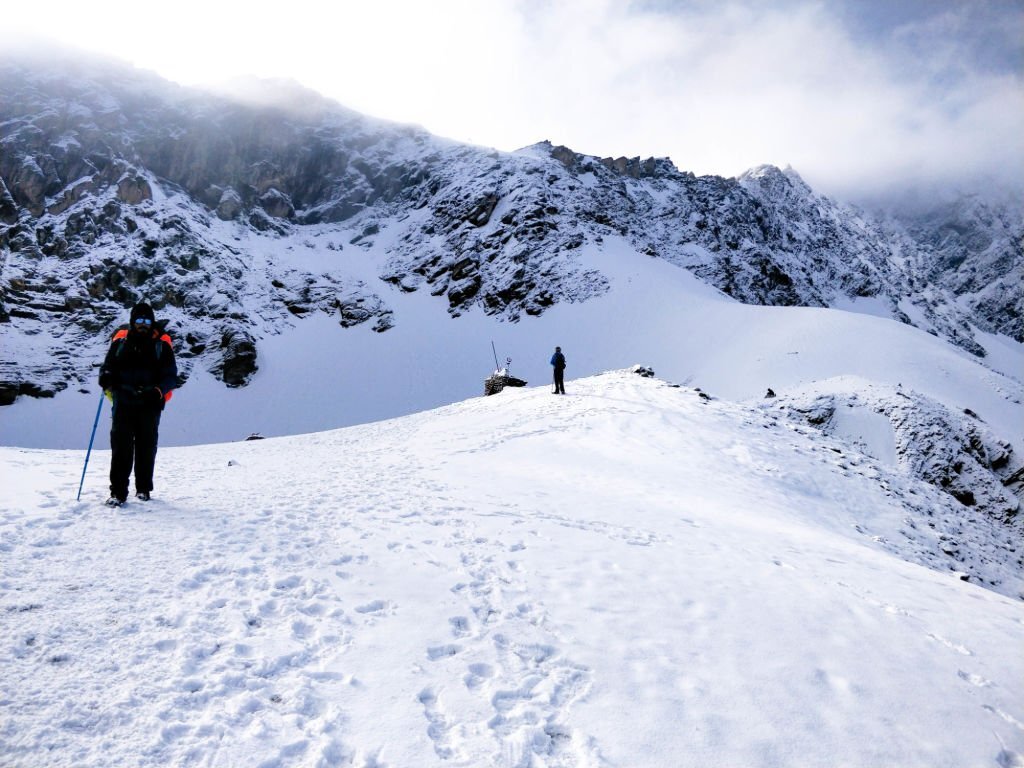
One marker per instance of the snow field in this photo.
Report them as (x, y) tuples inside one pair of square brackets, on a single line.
[(626, 575), (655, 313)]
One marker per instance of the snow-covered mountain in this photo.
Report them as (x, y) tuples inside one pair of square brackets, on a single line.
[(630, 575), (831, 575), (970, 246), (117, 186), (333, 270)]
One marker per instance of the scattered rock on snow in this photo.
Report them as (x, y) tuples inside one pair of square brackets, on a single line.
[(958, 453)]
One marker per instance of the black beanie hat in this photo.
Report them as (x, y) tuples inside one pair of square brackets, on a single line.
[(142, 309)]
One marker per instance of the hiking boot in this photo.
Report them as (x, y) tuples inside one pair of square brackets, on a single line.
[(142, 496), (113, 501)]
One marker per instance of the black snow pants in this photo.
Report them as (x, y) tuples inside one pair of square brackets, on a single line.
[(133, 438), (559, 381)]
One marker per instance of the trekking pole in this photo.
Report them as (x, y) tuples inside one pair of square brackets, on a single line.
[(88, 452), (496, 366)]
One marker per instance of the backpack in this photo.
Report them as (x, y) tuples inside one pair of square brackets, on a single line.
[(162, 338)]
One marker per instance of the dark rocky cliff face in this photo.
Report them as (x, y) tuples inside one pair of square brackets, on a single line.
[(117, 186), (974, 248)]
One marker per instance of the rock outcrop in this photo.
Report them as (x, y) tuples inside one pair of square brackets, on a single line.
[(116, 186)]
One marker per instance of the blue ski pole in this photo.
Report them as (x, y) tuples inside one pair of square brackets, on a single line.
[(91, 438)]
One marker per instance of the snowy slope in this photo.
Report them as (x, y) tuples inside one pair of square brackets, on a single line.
[(628, 575), (830, 577), (316, 375)]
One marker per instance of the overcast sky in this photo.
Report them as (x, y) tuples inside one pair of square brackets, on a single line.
[(852, 94)]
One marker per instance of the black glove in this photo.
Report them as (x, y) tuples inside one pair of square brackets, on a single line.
[(107, 380), (153, 396)]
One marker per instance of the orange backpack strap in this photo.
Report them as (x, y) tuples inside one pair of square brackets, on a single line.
[(165, 338)]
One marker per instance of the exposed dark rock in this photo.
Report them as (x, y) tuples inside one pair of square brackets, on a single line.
[(8, 207), (481, 213), (9, 391), (506, 233), (277, 204), (229, 206), (238, 362), (133, 188), (498, 380)]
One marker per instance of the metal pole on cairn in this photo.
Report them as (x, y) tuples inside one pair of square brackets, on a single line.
[(89, 452)]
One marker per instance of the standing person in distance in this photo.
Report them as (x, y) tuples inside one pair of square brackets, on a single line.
[(138, 373), (558, 363)]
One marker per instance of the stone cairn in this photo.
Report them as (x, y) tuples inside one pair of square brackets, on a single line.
[(500, 379)]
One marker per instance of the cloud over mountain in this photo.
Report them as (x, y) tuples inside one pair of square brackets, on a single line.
[(862, 97)]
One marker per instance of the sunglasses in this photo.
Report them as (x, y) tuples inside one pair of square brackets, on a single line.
[(143, 321)]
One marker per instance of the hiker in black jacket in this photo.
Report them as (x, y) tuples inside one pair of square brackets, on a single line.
[(558, 363), (138, 373)]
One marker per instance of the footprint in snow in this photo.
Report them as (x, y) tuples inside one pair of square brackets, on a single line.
[(376, 607), (477, 674), (439, 726), (1005, 715), (442, 651), (312, 608), (460, 625), (975, 680), (301, 630), (951, 645), (291, 582)]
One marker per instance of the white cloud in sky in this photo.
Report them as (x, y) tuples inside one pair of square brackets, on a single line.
[(850, 94)]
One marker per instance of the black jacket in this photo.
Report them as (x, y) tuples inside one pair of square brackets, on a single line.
[(136, 363)]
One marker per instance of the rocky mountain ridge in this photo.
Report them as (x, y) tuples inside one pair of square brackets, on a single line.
[(972, 248), (956, 453), (117, 186)]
